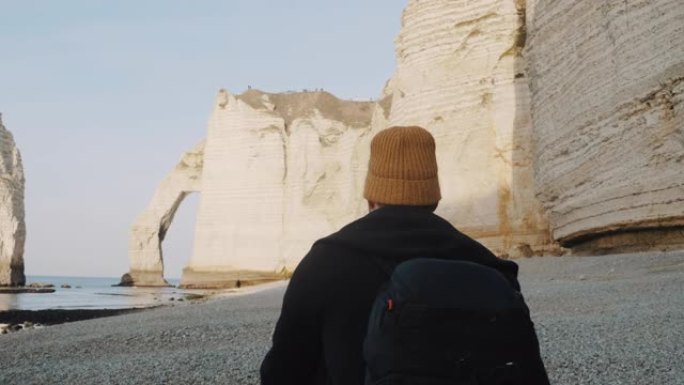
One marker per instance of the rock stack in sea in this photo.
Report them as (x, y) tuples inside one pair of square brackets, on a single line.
[(12, 225)]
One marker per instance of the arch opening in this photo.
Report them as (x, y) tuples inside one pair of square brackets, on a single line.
[(175, 242), (152, 225)]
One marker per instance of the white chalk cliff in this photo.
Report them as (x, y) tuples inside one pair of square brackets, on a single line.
[(460, 74), (280, 170), (607, 81), (276, 172), (554, 121), (12, 225)]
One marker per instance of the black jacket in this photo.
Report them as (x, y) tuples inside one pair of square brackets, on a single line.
[(318, 338)]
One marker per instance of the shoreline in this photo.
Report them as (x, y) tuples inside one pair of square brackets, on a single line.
[(26, 290), (17, 319), (59, 316)]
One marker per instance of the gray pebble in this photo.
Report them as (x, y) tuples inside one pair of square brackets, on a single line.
[(622, 324)]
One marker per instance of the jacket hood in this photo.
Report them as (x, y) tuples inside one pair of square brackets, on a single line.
[(397, 232)]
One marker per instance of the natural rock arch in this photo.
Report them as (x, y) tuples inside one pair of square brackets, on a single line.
[(149, 229)]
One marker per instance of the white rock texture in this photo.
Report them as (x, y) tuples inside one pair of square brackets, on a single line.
[(12, 225), (280, 170), (461, 75), (607, 82), (149, 229)]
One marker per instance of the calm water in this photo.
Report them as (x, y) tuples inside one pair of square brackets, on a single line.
[(88, 293)]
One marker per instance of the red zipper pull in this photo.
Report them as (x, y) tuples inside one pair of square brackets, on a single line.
[(390, 304)]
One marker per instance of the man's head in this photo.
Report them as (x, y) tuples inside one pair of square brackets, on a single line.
[(402, 170)]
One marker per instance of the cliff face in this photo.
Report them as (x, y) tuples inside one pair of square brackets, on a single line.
[(460, 74), (607, 83), (276, 172), (281, 170), (12, 226), (554, 121)]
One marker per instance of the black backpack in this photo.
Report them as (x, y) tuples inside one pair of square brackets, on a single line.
[(440, 322)]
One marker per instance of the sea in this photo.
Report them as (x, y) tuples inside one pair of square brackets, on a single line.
[(90, 293)]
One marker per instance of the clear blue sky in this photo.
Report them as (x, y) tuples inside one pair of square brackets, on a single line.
[(103, 97)]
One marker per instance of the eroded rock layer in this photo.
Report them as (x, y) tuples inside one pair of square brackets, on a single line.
[(12, 225), (460, 74), (607, 81)]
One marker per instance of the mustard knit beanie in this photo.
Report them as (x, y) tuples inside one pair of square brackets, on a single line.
[(402, 169)]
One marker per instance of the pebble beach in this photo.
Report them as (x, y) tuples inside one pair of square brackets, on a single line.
[(615, 319)]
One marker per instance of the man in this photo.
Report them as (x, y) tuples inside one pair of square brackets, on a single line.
[(319, 336)]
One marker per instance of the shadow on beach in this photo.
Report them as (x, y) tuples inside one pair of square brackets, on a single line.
[(58, 316)]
